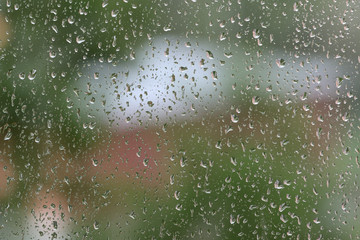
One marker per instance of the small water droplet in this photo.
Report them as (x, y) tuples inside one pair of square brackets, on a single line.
[(105, 3), (178, 207), (167, 28), (255, 100), (214, 75), (232, 219), (71, 20), (114, 13), (32, 74), (55, 225), (210, 55), (52, 54), (339, 81), (233, 161), (256, 33), (295, 7), (96, 225), (132, 215), (228, 55), (22, 75), (182, 69), (95, 162), (80, 39), (132, 55), (280, 62), (278, 185), (8, 136), (172, 180), (150, 103), (234, 118), (177, 195)]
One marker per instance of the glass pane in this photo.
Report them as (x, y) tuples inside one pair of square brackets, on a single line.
[(179, 119)]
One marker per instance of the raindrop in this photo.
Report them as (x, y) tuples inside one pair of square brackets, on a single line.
[(8, 136), (105, 3), (339, 81), (167, 28), (22, 75), (255, 100), (256, 33), (234, 118), (32, 74), (96, 225), (280, 63), (80, 39), (95, 162), (209, 55), (214, 75), (52, 54)]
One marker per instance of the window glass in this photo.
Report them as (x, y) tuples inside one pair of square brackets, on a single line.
[(179, 119)]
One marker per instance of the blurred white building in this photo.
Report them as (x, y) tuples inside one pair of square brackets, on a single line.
[(179, 79)]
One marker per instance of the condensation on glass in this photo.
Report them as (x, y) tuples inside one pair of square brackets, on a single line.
[(179, 119)]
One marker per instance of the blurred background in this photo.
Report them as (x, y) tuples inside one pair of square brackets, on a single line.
[(179, 119)]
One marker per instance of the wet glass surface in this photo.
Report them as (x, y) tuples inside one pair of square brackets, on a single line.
[(179, 119)]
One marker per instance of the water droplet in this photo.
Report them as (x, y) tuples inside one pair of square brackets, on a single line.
[(233, 161), (146, 162), (280, 63), (132, 215), (150, 103), (222, 36), (8, 136), (255, 100), (95, 162), (105, 3), (278, 185), (55, 225), (80, 39), (306, 107), (234, 118), (172, 180), (214, 75), (182, 69), (54, 28), (228, 55), (295, 7), (178, 207), (96, 225), (167, 28), (232, 219), (114, 13), (22, 75), (32, 74), (132, 55), (209, 55), (256, 33), (177, 195), (52, 54), (339, 81), (71, 20)]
